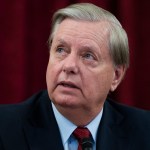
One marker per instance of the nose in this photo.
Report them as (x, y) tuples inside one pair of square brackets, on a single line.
[(71, 64)]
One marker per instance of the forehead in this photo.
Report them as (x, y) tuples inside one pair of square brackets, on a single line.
[(95, 31)]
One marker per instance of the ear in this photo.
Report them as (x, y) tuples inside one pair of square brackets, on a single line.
[(119, 72)]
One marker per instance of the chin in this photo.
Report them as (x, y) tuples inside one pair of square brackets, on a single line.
[(66, 102)]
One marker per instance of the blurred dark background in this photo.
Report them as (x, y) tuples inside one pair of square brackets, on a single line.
[(24, 30)]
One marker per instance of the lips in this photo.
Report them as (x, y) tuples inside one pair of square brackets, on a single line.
[(68, 84)]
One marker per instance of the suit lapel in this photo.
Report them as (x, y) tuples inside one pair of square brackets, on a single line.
[(113, 133), (41, 130)]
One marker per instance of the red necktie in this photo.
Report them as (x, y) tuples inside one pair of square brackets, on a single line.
[(81, 133)]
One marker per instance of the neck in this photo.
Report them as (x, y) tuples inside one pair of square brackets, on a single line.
[(79, 116)]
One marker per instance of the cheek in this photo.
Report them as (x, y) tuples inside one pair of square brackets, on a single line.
[(97, 85), (104, 82), (50, 75), (53, 71)]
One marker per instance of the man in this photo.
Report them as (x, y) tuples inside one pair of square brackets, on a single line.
[(88, 59)]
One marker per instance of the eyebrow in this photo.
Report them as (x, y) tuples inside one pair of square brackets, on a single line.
[(83, 47), (91, 48), (88, 47), (62, 41)]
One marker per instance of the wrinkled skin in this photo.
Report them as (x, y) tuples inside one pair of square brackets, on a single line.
[(80, 71)]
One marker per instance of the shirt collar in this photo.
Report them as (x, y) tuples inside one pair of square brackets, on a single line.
[(67, 127), (94, 124)]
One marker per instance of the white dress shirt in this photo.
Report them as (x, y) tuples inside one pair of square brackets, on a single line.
[(66, 128)]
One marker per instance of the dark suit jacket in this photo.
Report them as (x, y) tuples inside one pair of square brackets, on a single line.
[(31, 125)]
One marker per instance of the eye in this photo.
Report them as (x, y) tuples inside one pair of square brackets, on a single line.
[(60, 49), (88, 56)]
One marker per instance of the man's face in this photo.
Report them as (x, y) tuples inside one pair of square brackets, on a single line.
[(80, 72)]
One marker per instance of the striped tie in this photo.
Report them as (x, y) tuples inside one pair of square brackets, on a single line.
[(83, 136)]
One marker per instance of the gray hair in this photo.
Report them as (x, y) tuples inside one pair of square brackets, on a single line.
[(118, 40)]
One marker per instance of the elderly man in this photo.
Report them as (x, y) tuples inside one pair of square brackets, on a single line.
[(88, 59)]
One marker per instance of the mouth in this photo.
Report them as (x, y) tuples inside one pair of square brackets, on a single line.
[(68, 84)]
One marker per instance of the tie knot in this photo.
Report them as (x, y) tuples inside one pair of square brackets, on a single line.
[(80, 133)]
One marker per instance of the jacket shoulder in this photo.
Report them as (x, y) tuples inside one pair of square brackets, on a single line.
[(14, 112), (131, 114)]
